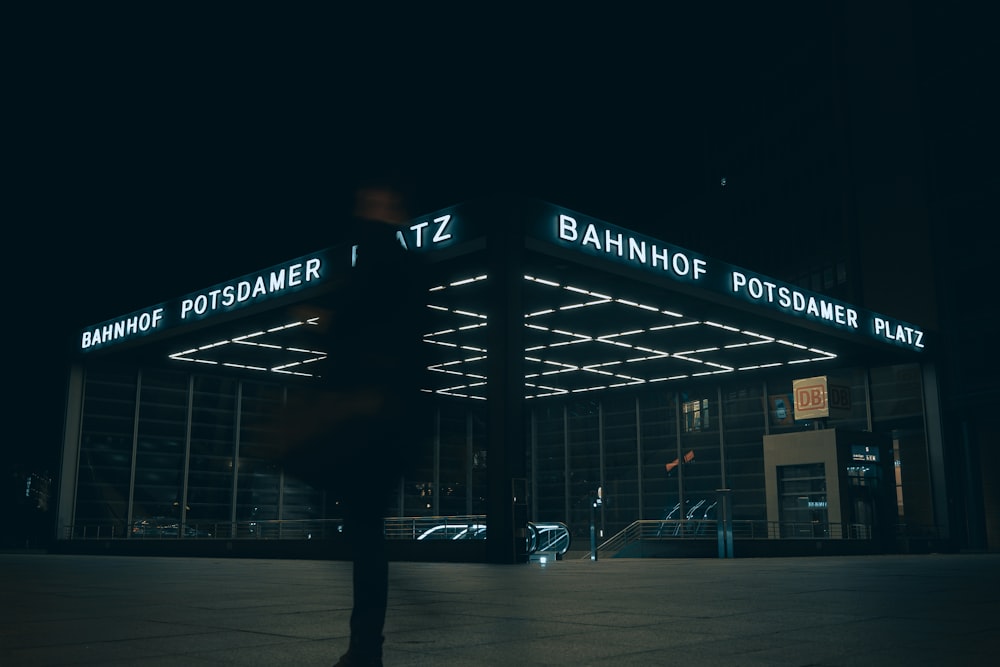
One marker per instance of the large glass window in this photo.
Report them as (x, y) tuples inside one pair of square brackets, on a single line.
[(213, 438), (695, 415), (452, 494), (743, 416), (419, 486), (106, 449), (161, 449), (854, 416), (478, 492), (550, 463), (301, 504), (658, 430), (700, 464), (259, 473), (621, 470), (584, 463)]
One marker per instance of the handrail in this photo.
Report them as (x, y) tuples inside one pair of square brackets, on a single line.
[(550, 536), (409, 528), (413, 527), (681, 529), (544, 536)]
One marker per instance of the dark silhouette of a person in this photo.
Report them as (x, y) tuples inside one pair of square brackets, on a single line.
[(376, 342), (362, 431)]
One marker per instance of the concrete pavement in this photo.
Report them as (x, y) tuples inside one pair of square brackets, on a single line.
[(908, 610)]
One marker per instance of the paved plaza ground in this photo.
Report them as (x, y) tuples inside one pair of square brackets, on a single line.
[(911, 610)]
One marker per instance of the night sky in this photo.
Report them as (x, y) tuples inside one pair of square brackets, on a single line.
[(152, 159)]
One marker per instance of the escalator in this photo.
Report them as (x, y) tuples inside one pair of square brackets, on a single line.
[(548, 537)]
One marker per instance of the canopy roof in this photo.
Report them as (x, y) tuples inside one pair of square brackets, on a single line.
[(604, 308)]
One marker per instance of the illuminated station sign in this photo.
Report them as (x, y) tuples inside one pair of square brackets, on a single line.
[(554, 227), (430, 233), (604, 240), (281, 280)]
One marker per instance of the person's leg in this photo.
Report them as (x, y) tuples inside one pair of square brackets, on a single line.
[(371, 578), (374, 472)]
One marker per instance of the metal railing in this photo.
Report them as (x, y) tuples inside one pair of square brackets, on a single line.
[(434, 527), (252, 529), (676, 529), (549, 536)]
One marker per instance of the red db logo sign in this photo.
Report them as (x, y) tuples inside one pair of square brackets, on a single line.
[(811, 398)]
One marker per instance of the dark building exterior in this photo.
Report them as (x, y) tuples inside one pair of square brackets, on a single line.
[(850, 162), (856, 154), (583, 374)]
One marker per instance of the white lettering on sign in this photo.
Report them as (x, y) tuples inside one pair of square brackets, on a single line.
[(243, 291), (899, 333), (618, 244), (423, 231), (143, 322), (631, 249), (791, 299)]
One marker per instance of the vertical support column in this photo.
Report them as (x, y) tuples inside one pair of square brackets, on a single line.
[(678, 419), (722, 438), (936, 459), (767, 408), (135, 451), (566, 465), (436, 468), (469, 457), (533, 479), (236, 457), (724, 524), (182, 525), (281, 474), (868, 400), (281, 501), (724, 506), (69, 468), (505, 389), (638, 458), (600, 474), (594, 504)]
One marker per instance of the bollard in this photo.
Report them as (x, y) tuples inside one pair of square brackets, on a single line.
[(595, 502), (724, 523)]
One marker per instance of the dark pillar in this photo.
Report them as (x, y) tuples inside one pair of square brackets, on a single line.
[(505, 458)]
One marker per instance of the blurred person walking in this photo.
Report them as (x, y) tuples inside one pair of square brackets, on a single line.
[(375, 426)]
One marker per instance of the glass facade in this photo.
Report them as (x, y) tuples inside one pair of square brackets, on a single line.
[(651, 459), (161, 450), (665, 455), (170, 452)]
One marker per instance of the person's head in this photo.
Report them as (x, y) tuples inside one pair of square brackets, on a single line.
[(382, 198), (380, 204)]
